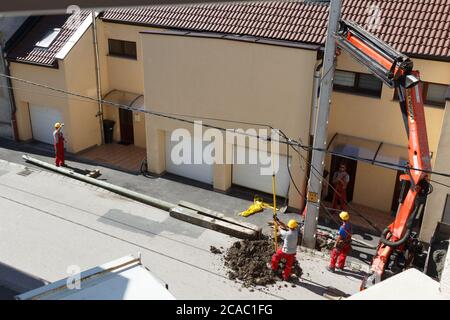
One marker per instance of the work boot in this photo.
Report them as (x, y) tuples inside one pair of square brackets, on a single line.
[(330, 269)]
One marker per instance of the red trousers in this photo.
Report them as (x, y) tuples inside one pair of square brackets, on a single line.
[(341, 196), (59, 153), (339, 256), (290, 258)]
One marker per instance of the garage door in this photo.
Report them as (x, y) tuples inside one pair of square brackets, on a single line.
[(249, 175), (199, 172), (43, 120)]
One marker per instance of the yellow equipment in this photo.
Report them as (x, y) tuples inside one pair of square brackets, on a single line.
[(57, 125), (344, 215), (257, 206)]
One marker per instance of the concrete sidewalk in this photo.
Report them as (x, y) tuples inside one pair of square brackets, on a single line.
[(169, 189)]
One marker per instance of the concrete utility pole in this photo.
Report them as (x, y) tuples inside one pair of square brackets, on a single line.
[(320, 135)]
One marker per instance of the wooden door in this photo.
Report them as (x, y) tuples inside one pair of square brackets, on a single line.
[(126, 126)]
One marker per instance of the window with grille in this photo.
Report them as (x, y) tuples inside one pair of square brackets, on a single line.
[(121, 48), (357, 83)]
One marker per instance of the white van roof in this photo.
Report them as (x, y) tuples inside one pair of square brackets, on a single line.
[(123, 279)]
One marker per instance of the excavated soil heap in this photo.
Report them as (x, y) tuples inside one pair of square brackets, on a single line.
[(248, 261)]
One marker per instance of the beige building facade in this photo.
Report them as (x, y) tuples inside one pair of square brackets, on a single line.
[(76, 73), (204, 77), (208, 77)]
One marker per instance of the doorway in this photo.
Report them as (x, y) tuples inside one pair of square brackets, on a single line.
[(351, 170), (126, 127)]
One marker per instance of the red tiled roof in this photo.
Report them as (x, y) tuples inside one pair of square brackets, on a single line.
[(25, 49), (415, 27)]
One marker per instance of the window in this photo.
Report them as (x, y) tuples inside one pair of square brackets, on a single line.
[(433, 94), (48, 39), (358, 83), (121, 48)]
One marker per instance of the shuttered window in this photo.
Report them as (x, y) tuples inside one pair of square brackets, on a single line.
[(120, 48), (343, 78), (357, 83)]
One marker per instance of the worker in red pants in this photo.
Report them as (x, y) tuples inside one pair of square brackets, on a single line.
[(340, 181), (343, 244), (58, 139), (289, 248)]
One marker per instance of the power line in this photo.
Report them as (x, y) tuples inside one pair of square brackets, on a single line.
[(442, 184), (236, 131), (302, 195), (322, 178)]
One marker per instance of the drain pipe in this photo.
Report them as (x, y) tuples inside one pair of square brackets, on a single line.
[(98, 76)]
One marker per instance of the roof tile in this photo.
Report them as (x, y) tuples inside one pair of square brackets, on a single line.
[(405, 24)]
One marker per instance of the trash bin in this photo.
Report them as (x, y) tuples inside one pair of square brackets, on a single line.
[(108, 129)]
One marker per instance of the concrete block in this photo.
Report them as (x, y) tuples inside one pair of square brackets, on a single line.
[(219, 215), (194, 217)]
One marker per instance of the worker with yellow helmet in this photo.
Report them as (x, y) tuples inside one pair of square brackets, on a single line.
[(58, 142), (343, 244), (289, 249)]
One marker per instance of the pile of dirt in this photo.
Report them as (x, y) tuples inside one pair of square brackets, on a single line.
[(249, 261)]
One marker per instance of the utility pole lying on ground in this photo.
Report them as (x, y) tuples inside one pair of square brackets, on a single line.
[(320, 134)]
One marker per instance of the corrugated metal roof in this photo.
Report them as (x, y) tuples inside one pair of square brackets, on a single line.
[(415, 27), (25, 50)]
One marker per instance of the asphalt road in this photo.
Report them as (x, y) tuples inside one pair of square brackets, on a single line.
[(51, 222)]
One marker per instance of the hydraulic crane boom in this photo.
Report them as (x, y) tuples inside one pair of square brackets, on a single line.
[(397, 243)]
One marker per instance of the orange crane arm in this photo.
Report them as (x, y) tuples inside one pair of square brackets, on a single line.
[(396, 71)]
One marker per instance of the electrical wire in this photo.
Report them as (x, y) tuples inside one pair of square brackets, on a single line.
[(440, 183), (237, 131), (301, 193), (322, 178)]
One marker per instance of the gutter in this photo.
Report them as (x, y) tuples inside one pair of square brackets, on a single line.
[(98, 77)]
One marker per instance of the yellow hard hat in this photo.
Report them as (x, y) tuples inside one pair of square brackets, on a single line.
[(57, 125), (292, 224), (344, 215)]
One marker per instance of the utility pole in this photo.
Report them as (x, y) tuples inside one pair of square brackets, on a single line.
[(320, 135)]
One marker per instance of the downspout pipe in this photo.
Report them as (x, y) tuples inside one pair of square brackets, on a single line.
[(98, 76)]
